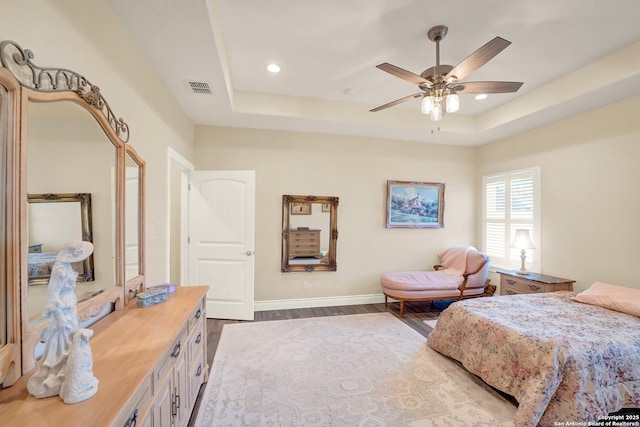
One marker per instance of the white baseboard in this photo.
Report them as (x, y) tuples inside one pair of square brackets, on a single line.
[(285, 304)]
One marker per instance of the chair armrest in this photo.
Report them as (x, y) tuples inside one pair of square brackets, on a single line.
[(486, 260)]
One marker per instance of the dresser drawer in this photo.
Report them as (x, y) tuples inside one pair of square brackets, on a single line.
[(304, 241), (304, 234), (511, 285), (197, 315), (521, 286), (197, 375), (165, 366), (138, 407), (196, 341), (306, 247)]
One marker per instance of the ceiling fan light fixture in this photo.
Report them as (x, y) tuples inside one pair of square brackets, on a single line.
[(436, 111), (481, 97), (439, 85), (427, 104), (453, 102)]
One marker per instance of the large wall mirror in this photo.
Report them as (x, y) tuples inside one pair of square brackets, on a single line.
[(309, 233), (69, 171)]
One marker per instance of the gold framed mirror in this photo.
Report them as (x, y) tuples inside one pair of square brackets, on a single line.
[(309, 233)]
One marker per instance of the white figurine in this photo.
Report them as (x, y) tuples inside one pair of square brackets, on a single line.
[(79, 383), (63, 320)]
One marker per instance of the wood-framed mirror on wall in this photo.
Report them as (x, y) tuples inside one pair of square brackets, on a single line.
[(61, 137), (309, 233)]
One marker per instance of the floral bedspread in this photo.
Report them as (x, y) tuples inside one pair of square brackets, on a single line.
[(563, 361)]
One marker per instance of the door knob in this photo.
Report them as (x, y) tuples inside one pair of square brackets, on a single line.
[(248, 253)]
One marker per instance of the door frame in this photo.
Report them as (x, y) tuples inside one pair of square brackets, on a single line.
[(187, 168)]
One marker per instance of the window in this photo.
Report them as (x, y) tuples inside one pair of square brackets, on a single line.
[(511, 200)]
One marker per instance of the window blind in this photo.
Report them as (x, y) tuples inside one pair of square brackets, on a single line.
[(511, 200)]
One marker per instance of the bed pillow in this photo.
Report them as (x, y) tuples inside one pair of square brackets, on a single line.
[(618, 298)]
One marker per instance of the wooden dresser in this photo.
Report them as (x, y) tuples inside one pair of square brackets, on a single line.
[(512, 283), (304, 243), (150, 363)]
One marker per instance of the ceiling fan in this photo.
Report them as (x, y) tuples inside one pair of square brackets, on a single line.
[(440, 84)]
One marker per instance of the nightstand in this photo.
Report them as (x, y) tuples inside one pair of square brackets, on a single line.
[(512, 283)]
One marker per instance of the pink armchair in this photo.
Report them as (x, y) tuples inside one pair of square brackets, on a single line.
[(462, 274)]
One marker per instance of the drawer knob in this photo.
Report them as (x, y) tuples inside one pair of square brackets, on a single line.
[(199, 338), (199, 371), (198, 313), (534, 287), (510, 292), (511, 281)]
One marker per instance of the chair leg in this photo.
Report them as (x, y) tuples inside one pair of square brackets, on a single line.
[(401, 308), (385, 300)]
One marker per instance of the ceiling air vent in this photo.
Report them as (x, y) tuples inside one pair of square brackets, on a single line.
[(199, 87)]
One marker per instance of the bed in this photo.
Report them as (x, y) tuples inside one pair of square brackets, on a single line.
[(562, 360)]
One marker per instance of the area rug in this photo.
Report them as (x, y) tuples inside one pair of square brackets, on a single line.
[(431, 323), (355, 370)]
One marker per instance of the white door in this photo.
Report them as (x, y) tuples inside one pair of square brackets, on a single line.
[(221, 240)]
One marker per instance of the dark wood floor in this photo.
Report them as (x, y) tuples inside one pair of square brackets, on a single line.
[(415, 313)]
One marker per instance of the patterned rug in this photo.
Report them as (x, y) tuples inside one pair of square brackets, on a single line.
[(431, 323), (356, 370)]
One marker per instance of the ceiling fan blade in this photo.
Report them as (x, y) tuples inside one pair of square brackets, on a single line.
[(477, 59), (403, 74), (397, 101), (488, 87)]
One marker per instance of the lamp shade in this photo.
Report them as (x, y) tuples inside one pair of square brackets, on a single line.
[(522, 240)]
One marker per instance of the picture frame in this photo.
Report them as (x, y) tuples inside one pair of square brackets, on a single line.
[(301, 208), (326, 207), (413, 204)]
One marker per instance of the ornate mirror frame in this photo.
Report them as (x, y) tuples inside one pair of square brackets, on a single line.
[(11, 351), (27, 82), (328, 262)]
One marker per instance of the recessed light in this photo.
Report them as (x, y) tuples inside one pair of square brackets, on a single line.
[(481, 96), (273, 68), (350, 92)]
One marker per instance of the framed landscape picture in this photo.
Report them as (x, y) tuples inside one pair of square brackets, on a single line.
[(415, 204)]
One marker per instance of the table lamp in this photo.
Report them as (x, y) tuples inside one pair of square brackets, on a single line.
[(522, 241)]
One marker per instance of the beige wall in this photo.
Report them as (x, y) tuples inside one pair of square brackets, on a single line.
[(356, 170), (590, 174), (87, 37), (588, 168)]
